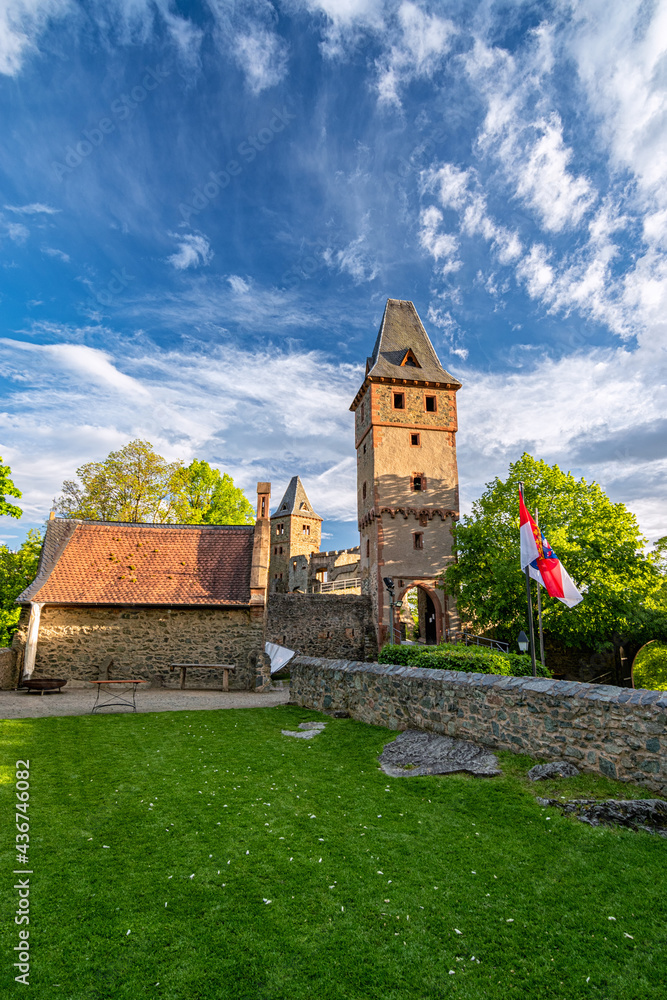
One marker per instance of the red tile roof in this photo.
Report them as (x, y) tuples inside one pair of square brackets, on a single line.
[(88, 562)]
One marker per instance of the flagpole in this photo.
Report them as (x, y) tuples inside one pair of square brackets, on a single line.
[(531, 629), (539, 606)]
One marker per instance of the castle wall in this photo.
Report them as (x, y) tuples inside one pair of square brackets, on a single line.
[(74, 642), (322, 624), (602, 729)]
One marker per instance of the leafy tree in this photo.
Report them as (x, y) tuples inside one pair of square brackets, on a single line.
[(136, 484), (17, 570), (208, 497), (7, 488), (598, 541)]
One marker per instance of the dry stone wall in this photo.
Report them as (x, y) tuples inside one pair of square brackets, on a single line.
[(76, 642), (323, 624), (617, 732)]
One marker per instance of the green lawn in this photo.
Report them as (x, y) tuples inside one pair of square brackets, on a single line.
[(296, 869)]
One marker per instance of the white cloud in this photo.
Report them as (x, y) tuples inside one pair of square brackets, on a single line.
[(17, 231), (268, 416), (21, 24), (544, 181), (423, 41), (35, 208), (193, 251), (354, 259), (262, 55), (438, 244), (59, 254), (238, 284)]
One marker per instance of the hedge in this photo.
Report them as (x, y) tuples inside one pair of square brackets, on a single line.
[(468, 659)]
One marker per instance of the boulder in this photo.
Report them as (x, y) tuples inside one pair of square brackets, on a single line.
[(557, 769)]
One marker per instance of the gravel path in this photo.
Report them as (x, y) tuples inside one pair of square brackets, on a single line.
[(21, 705)]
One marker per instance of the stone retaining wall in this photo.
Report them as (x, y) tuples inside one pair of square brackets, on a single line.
[(8, 671), (323, 624), (617, 732), (76, 642)]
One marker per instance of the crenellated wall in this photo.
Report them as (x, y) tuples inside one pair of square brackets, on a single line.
[(617, 732)]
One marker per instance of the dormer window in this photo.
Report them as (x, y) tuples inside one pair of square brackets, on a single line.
[(409, 359)]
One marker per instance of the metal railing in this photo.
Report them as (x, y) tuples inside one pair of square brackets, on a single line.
[(481, 640), (339, 585)]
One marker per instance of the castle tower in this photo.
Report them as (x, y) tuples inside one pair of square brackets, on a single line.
[(296, 530), (407, 479)]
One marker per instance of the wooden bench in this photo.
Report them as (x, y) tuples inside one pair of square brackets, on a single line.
[(226, 668)]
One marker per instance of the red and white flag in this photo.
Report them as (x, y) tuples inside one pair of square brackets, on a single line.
[(542, 562)]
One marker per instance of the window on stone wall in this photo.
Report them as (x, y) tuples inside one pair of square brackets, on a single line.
[(399, 400), (368, 548), (418, 537), (415, 440), (280, 529), (280, 550), (363, 491), (363, 412), (306, 529), (417, 483), (431, 404), (294, 564)]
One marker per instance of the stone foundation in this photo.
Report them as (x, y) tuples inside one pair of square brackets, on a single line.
[(323, 624), (77, 642), (616, 732)]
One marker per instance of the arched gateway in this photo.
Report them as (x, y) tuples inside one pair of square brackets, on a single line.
[(407, 478)]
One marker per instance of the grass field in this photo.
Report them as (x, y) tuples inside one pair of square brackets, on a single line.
[(205, 855)]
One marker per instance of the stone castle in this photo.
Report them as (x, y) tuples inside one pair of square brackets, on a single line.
[(407, 489)]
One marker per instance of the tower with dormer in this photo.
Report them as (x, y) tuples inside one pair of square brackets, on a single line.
[(407, 478), (296, 530)]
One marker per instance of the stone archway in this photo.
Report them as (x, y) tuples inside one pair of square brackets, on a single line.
[(430, 612)]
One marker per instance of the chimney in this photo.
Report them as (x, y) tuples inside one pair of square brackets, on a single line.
[(259, 573), (52, 515), (263, 495)]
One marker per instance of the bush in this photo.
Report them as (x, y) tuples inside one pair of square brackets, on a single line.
[(650, 667), (467, 659)]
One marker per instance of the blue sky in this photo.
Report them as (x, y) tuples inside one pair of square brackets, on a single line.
[(204, 206)]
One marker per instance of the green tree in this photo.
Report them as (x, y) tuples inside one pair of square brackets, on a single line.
[(135, 484), (207, 496), (17, 569), (7, 489), (598, 541)]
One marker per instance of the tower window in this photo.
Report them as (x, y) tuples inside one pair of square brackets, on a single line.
[(280, 550), (306, 529), (418, 482), (431, 404), (275, 550), (399, 400), (363, 412), (415, 440), (364, 448), (363, 491), (280, 528), (368, 548), (294, 564), (418, 537)]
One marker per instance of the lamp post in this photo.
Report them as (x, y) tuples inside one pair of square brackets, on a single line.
[(522, 642)]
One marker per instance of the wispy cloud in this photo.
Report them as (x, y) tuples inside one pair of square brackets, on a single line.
[(193, 251), (35, 208), (421, 40), (262, 55), (58, 254)]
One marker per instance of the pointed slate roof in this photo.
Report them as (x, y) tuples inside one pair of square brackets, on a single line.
[(403, 351), (295, 501), (93, 562)]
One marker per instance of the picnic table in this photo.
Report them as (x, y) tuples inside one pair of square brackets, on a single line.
[(117, 695), (226, 668)]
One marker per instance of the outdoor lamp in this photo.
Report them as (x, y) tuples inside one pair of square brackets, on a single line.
[(388, 582), (523, 641)]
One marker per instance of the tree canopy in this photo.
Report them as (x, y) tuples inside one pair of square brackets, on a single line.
[(136, 484), (598, 542), (8, 489), (17, 569)]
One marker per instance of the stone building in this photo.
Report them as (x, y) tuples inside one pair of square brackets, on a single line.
[(407, 478), (296, 532), (147, 596)]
